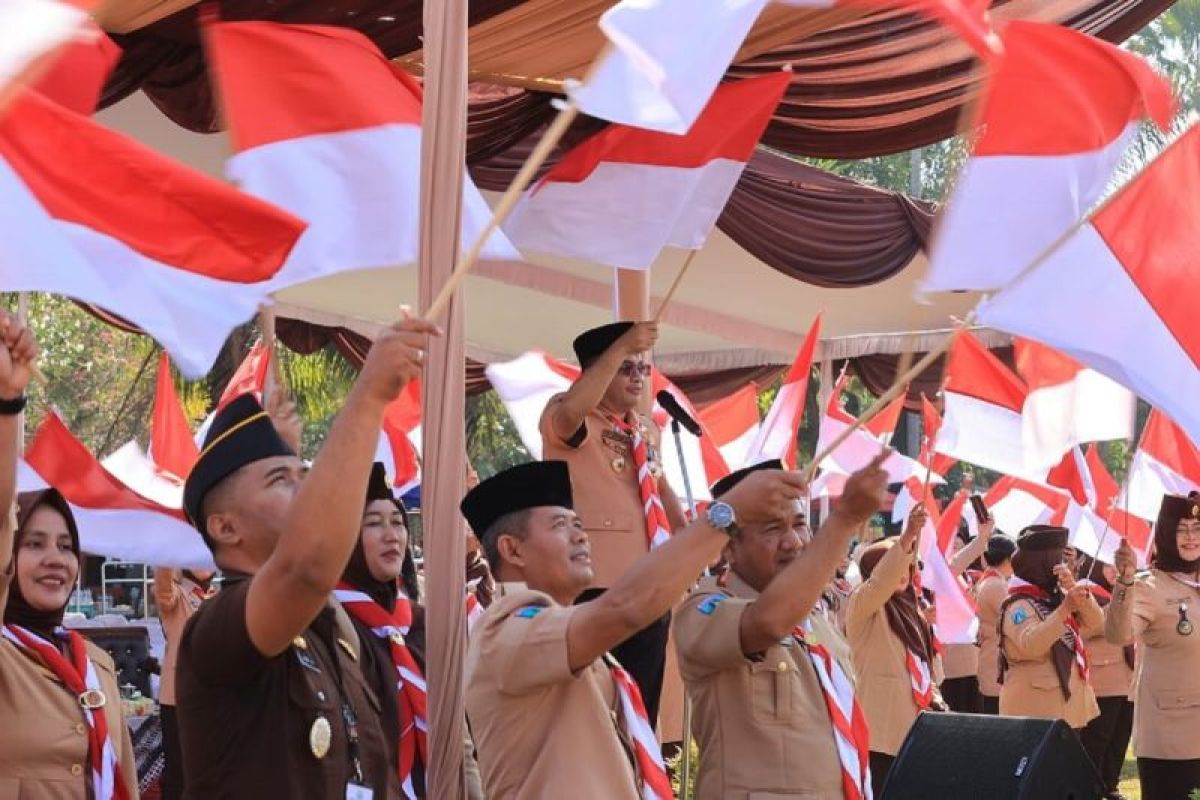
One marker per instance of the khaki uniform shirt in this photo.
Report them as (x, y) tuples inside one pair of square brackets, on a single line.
[(43, 738), (175, 608), (761, 722), (541, 730), (605, 487), (990, 594), (1167, 709), (1031, 687)]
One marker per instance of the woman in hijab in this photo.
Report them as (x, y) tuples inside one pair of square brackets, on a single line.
[(892, 645), (1158, 611), (1106, 738), (1043, 624), (64, 735)]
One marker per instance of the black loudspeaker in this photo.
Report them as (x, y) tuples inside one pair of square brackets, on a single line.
[(983, 757)]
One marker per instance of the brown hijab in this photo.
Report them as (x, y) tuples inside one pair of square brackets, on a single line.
[(18, 611), (903, 611), (1166, 546)]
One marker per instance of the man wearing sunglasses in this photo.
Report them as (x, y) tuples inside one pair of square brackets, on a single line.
[(596, 428)]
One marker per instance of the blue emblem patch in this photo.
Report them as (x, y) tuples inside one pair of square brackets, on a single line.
[(529, 612), (1019, 616), (709, 604)]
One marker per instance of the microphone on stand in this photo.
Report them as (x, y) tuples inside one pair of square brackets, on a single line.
[(676, 412)]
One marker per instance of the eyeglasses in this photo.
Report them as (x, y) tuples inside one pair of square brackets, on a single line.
[(1188, 530), (631, 368)]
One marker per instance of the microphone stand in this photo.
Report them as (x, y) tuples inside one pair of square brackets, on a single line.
[(685, 770)]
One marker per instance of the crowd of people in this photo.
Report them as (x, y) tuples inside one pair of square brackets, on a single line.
[(302, 676)]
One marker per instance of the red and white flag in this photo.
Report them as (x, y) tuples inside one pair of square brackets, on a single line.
[(1016, 503), (172, 447), (777, 438), (1057, 114), (703, 460), (1166, 462), (325, 126), (249, 378), (114, 520), (957, 621), (31, 34), (79, 70), (625, 193), (1115, 296), (93, 215), (1067, 404), (931, 423), (733, 423), (399, 447), (525, 386), (1097, 525)]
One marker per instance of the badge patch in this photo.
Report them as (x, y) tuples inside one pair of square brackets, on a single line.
[(709, 604), (528, 612), (1019, 616)]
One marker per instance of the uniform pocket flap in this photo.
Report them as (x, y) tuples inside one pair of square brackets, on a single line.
[(782, 796), (1168, 699), (598, 523), (1045, 683)]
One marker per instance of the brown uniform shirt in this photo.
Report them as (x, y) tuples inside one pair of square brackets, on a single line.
[(246, 721), (1031, 686), (1167, 707), (605, 487), (43, 738), (761, 722), (990, 594), (541, 730)]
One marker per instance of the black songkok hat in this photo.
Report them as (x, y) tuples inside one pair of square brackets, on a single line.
[(734, 478), (241, 433), (1040, 538), (590, 345), (532, 485)]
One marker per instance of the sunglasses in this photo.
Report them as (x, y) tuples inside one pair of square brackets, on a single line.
[(631, 368)]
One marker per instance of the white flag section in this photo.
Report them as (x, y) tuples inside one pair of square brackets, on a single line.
[(1067, 405), (653, 77), (32, 29), (956, 620), (344, 155), (114, 520), (1058, 112), (733, 423), (399, 446), (1165, 462), (525, 385), (777, 437), (860, 447)]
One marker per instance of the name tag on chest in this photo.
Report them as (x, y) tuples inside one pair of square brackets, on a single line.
[(355, 792)]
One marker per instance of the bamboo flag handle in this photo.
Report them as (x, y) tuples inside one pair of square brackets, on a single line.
[(662, 307)]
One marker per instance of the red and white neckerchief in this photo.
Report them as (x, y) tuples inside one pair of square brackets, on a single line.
[(1073, 638), (990, 572), (474, 611), (79, 676), (658, 527), (921, 678), (410, 681), (850, 731), (655, 783)]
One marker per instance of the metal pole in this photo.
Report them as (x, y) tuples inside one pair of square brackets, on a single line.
[(685, 771)]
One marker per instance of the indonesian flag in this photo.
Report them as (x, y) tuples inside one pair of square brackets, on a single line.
[(172, 447), (733, 423), (1016, 503), (1056, 116), (1165, 462), (1121, 288), (77, 76), (399, 447), (702, 459), (625, 193), (957, 622), (777, 438), (931, 423), (983, 401), (99, 218), (249, 378), (114, 520), (1067, 404), (652, 77), (32, 33), (324, 125), (525, 386), (1097, 525)]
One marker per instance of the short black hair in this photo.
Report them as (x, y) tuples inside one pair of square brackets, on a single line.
[(215, 498), (515, 523)]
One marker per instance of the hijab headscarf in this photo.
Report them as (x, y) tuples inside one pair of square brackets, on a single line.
[(19, 611), (902, 608), (1039, 550), (358, 573), (1166, 546)]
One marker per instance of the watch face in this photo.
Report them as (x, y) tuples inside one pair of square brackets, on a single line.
[(720, 515)]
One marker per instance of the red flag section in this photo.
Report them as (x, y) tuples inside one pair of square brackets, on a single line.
[(778, 436), (171, 444)]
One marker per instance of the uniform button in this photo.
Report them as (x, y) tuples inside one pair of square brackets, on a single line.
[(608, 523), (76, 770), (321, 696), (81, 729), (782, 666)]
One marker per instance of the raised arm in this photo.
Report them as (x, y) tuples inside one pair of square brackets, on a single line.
[(795, 591), (973, 549), (165, 596), (872, 594), (658, 580), (1121, 625), (17, 355), (568, 411), (324, 517)]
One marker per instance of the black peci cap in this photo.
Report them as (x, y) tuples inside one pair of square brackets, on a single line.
[(533, 485)]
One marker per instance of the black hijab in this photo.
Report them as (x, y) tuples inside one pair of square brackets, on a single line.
[(1166, 546), (19, 611), (358, 573)]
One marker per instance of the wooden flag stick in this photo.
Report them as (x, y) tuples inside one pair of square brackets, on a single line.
[(881, 403), (662, 307)]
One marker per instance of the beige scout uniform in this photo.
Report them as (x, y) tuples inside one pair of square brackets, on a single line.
[(884, 685), (43, 740), (1109, 673), (1031, 687), (761, 723), (606, 498), (541, 730), (1166, 712), (990, 594)]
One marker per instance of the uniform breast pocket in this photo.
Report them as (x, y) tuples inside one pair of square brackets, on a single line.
[(1177, 700), (771, 688), (604, 522)]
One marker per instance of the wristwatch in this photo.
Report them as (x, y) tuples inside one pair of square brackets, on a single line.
[(720, 515)]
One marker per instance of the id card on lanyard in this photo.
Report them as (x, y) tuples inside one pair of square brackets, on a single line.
[(356, 792)]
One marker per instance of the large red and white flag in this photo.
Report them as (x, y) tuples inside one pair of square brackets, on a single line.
[(525, 386), (625, 193), (1115, 295), (1016, 503), (172, 447), (1166, 462), (399, 447), (1067, 404), (777, 438), (983, 401), (931, 423), (1057, 114), (114, 520), (1097, 525), (325, 126), (79, 70), (31, 33), (95, 216), (250, 377), (733, 423)]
